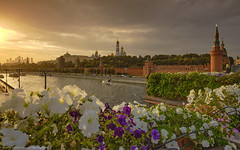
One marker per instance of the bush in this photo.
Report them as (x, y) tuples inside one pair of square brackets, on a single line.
[(178, 85)]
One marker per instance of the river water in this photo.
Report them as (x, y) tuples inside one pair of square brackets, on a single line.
[(114, 94)]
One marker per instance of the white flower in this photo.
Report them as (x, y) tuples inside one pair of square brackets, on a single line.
[(155, 111), (32, 147), (154, 124), (62, 147), (179, 110), (162, 117), (87, 149), (88, 123), (172, 145), (200, 92), (119, 107), (230, 110), (59, 103), (137, 112), (49, 147), (154, 141), (173, 136), (185, 116), (233, 145), (192, 136), (238, 110), (13, 137), (219, 92), (202, 130), (191, 96), (205, 125), (192, 128), (205, 143), (55, 130), (121, 148), (210, 133), (198, 115), (20, 103), (164, 133), (95, 105), (75, 91), (228, 147), (140, 125), (213, 123), (183, 130), (163, 108)]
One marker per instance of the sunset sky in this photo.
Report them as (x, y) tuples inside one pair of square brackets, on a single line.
[(46, 29)]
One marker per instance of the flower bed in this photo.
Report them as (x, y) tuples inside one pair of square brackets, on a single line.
[(222, 103), (178, 85), (64, 119)]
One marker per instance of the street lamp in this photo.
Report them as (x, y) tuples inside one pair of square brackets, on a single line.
[(18, 71), (45, 77), (6, 70)]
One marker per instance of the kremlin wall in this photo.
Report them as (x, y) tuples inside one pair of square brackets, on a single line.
[(218, 55)]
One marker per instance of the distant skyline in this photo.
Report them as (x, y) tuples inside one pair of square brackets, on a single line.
[(46, 29)]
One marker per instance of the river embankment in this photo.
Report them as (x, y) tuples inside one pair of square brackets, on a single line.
[(114, 78)]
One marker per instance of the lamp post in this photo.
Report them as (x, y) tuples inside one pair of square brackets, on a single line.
[(45, 78), (18, 71), (6, 70)]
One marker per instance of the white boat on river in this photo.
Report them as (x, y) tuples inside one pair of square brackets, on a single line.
[(107, 82)]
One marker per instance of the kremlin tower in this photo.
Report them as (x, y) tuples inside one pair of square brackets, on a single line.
[(216, 55), (117, 48)]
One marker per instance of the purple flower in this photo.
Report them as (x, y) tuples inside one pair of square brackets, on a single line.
[(142, 147), (100, 139), (155, 134), (133, 147), (111, 126), (69, 129), (122, 120), (127, 110), (107, 106), (151, 123), (102, 146), (137, 133), (235, 130), (109, 117), (118, 132), (75, 114)]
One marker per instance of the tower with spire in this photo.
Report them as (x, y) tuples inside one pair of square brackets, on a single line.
[(117, 48), (216, 55)]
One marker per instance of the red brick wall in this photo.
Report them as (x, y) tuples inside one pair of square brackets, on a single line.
[(174, 68), (130, 71)]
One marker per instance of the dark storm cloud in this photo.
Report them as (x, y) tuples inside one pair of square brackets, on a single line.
[(149, 26)]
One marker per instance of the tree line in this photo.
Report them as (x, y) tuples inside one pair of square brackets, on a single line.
[(109, 62)]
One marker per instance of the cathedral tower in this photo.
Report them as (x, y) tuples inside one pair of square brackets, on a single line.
[(117, 48), (216, 55)]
